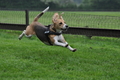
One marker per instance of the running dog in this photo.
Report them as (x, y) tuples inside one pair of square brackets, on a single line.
[(52, 34)]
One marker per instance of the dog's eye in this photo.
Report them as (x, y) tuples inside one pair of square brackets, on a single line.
[(60, 23)]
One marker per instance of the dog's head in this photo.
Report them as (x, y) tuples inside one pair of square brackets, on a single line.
[(59, 23)]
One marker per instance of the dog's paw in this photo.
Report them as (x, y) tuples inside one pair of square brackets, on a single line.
[(74, 50), (20, 37)]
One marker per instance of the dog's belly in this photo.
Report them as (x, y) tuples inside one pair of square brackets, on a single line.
[(40, 33)]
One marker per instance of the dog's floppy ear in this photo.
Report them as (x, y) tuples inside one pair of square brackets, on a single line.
[(55, 17)]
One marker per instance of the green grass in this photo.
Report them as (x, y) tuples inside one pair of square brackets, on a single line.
[(107, 20), (29, 59), (17, 17)]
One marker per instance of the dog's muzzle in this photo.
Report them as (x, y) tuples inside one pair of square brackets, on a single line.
[(65, 28)]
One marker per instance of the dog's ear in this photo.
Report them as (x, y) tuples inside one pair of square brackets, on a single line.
[(61, 15), (55, 17)]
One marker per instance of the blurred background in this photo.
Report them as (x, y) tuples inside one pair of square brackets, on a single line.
[(97, 5)]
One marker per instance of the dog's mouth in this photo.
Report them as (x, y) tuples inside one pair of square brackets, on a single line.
[(64, 29)]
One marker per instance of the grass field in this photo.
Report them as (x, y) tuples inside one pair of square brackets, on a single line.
[(29, 59), (108, 20)]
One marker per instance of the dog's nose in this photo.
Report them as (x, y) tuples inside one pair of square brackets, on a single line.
[(66, 26)]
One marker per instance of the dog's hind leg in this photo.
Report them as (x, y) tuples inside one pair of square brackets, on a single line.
[(24, 33), (20, 36), (28, 36)]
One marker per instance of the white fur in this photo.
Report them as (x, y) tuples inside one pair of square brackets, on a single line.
[(23, 33), (45, 10), (70, 48), (64, 26), (59, 40)]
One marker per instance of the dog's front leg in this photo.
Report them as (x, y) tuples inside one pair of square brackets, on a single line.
[(70, 48), (62, 42), (61, 38), (56, 42)]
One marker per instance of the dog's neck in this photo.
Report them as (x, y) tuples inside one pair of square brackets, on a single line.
[(52, 28)]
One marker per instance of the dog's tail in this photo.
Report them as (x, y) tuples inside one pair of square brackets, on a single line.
[(39, 15)]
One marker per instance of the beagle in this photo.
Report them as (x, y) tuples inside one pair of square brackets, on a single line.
[(52, 34)]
